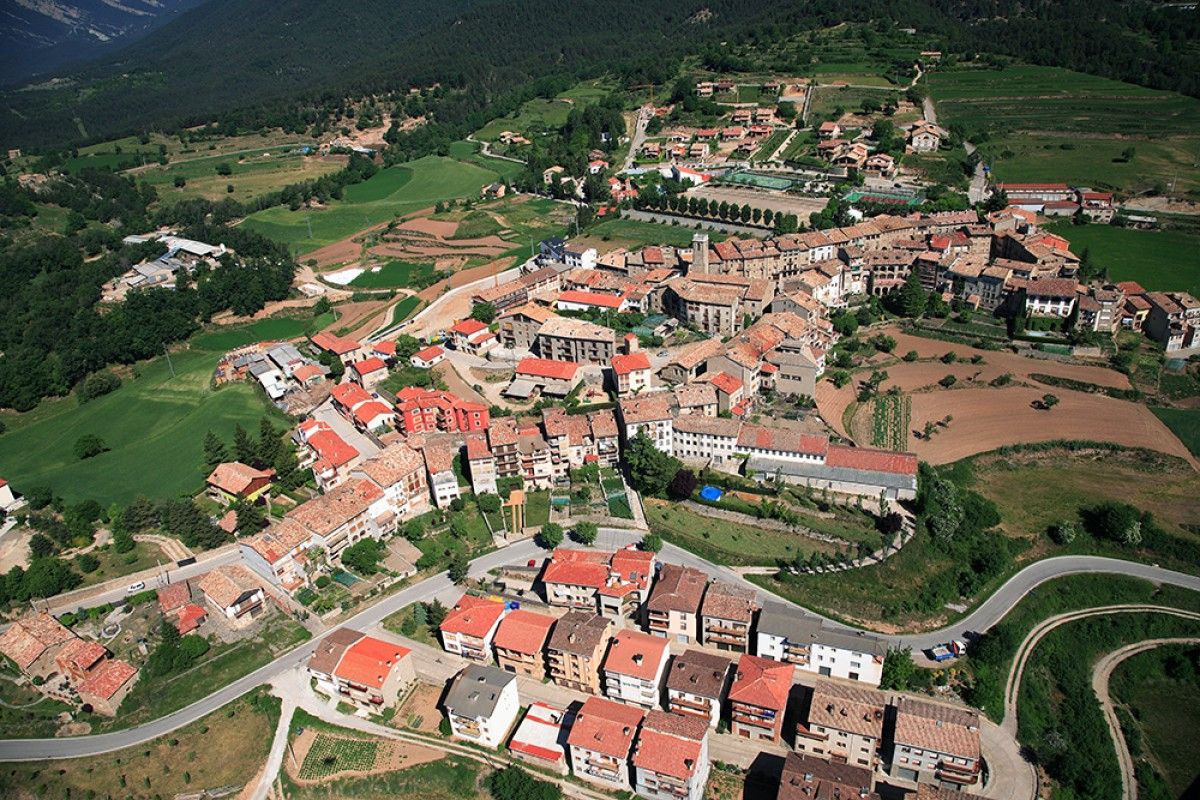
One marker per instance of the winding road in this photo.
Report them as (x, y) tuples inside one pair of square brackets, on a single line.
[(982, 618)]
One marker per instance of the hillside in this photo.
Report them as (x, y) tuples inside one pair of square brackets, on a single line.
[(48, 36)]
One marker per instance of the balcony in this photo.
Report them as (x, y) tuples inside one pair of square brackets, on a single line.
[(725, 638), (806, 732), (684, 703)]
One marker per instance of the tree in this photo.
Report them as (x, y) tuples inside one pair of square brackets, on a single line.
[(458, 567), (652, 543), (269, 444), (898, 669), (41, 545), (363, 556), (435, 612), (489, 503), (87, 562), (683, 485), (215, 451), (910, 301), (483, 312), (551, 535), (88, 446), (586, 532), (1049, 401), (650, 469), (244, 448), (1064, 532), (514, 783), (123, 541), (250, 518), (180, 181)]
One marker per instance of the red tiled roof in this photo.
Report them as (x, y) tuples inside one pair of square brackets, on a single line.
[(369, 661), (429, 353), (782, 440), (577, 568), (590, 298), (605, 727), (190, 618), (107, 680), (338, 345), (468, 327), (637, 654), (670, 744), (368, 365), (726, 383), (472, 616), (27, 638), (173, 596), (387, 348), (369, 411), (870, 459), (623, 364), (349, 394), (761, 682), (545, 368), (81, 653), (332, 448), (523, 631), (306, 372), (1008, 187), (234, 477)]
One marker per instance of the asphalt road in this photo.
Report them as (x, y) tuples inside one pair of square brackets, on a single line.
[(979, 620)]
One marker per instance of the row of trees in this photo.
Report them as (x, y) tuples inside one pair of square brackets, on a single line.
[(723, 211)]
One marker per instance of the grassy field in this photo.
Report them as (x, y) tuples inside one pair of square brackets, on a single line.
[(451, 778), (768, 147), (726, 542), (114, 564), (1164, 701), (252, 174), (533, 115), (828, 99), (25, 714), (405, 308), (1158, 260), (469, 152), (1051, 124), (154, 425), (389, 193), (1184, 423), (225, 748), (394, 274)]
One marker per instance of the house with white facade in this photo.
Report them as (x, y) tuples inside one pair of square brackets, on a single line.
[(482, 705)]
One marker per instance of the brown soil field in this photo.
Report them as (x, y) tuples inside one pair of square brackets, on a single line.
[(391, 756), (434, 227), (458, 386), (421, 706), (987, 418)]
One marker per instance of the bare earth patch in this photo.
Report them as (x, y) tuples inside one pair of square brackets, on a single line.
[(391, 755)]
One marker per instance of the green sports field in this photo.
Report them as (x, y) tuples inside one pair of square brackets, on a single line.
[(1158, 260), (154, 424), (394, 274), (390, 192)]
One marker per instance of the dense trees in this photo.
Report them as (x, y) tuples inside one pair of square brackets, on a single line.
[(650, 469)]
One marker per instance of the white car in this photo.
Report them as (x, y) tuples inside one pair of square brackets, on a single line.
[(135, 587)]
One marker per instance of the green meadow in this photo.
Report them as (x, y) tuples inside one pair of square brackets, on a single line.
[(1158, 260)]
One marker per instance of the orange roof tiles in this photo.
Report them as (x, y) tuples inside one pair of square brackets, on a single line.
[(761, 682), (234, 477), (27, 638), (332, 448), (577, 568), (190, 618), (605, 727), (545, 368), (782, 440), (369, 661), (468, 327), (523, 631), (637, 654), (81, 653), (577, 297), (472, 616), (173, 596), (350, 394), (338, 345), (108, 679), (670, 744), (368, 365), (869, 459), (726, 383), (623, 364)]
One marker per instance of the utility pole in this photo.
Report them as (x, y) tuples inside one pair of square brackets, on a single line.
[(168, 355)]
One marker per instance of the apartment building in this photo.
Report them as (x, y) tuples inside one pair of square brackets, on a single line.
[(652, 414), (936, 744), (785, 634), (439, 467), (482, 705), (576, 649), (518, 326), (401, 473), (344, 515), (520, 642), (432, 411), (842, 723), (727, 615), (807, 778), (575, 340), (278, 554), (481, 464), (1173, 320), (631, 372), (758, 697), (601, 740), (472, 336), (670, 758), (634, 668), (630, 573), (572, 578), (362, 670), (717, 310), (673, 610), (689, 364), (578, 439), (705, 440), (697, 682), (696, 399), (470, 627)]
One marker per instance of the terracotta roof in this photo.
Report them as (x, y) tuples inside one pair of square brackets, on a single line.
[(652, 407), (728, 601), (699, 672), (808, 777), (350, 394), (468, 327), (429, 353), (306, 372), (690, 395), (566, 327), (235, 477), (372, 410), (368, 365), (678, 589), (477, 447), (27, 638), (848, 708), (623, 364), (782, 440), (338, 345), (439, 457), (932, 726), (1052, 287), (173, 596), (670, 744), (472, 616), (866, 458), (523, 631), (108, 679), (693, 355), (226, 584), (725, 382), (636, 654), (762, 682), (325, 514), (590, 299), (278, 540), (391, 465), (330, 648), (331, 447), (545, 368), (190, 617), (708, 426), (577, 567), (369, 661), (386, 347), (579, 632), (81, 654), (531, 310), (605, 727)]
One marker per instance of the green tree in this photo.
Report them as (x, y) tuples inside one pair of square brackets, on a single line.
[(250, 518), (652, 542), (483, 312), (683, 485), (1049, 401), (458, 526), (586, 532), (911, 298), (489, 503), (88, 446), (458, 567), (269, 444), (650, 469), (551, 535), (215, 451), (363, 556), (898, 669), (244, 448), (514, 783)]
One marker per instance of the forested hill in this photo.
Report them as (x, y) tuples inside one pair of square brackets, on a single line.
[(263, 61)]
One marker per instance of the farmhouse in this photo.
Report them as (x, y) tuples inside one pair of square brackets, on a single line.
[(233, 593)]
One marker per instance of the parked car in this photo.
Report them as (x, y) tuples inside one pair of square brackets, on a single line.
[(955, 648), (135, 587)]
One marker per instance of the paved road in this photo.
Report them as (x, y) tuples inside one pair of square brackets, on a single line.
[(981, 619), (639, 134)]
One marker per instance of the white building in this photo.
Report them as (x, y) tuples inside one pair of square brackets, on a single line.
[(785, 634), (482, 705), (670, 758), (634, 667), (651, 414)]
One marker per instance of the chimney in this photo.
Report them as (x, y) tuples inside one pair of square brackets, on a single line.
[(700, 254), (637, 658)]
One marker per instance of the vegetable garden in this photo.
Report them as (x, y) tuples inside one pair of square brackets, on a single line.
[(891, 418), (332, 754)]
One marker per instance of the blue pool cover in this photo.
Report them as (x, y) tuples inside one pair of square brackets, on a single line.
[(711, 493)]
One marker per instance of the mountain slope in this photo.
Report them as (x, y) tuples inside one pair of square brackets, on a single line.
[(40, 36)]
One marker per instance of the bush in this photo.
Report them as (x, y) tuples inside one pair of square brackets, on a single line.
[(88, 446), (98, 385), (948, 381), (87, 562), (652, 542), (489, 503), (1064, 532), (911, 356), (323, 581)]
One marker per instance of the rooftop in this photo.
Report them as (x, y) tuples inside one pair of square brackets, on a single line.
[(699, 672), (623, 364), (848, 708), (932, 726), (579, 632), (725, 600), (108, 679), (761, 682), (652, 407), (27, 638), (226, 584), (545, 368), (605, 727), (476, 690), (369, 661), (234, 477), (670, 744), (678, 589), (637, 654), (523, 631), (472, 616)]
